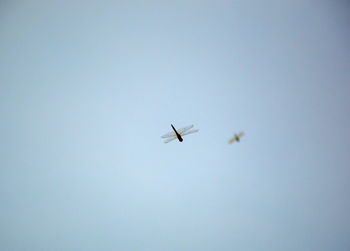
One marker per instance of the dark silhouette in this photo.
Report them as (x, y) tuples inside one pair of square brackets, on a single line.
[(177, 134)]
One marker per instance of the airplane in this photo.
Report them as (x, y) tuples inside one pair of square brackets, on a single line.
[(178, 134)]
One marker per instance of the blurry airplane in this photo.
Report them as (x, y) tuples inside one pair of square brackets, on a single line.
[(178, 134), (236, 137)]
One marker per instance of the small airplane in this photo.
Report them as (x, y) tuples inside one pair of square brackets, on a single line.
[(178, 134), (236, 137)]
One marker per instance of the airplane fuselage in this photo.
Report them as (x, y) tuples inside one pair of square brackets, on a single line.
[(177, 134)]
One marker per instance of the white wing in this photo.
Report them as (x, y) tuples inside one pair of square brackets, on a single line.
[(241, 134), (169, 134), (184, 129), (231, 140), (189, 132), (169, 139)]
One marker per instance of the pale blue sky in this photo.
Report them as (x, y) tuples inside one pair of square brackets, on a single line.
[(88, 87)]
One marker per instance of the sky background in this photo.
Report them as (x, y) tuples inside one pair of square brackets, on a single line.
[(88, 87)]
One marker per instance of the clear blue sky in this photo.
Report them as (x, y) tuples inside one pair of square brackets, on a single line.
[(88, 87)]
